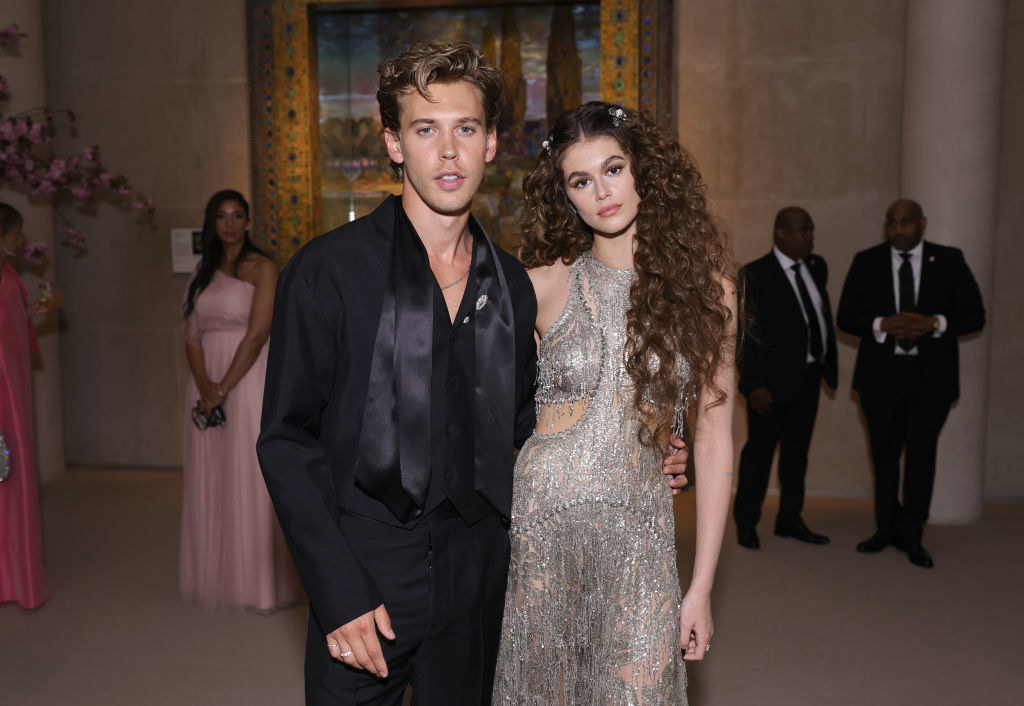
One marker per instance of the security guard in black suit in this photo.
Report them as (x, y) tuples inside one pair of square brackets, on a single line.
[(788, 351), (909, 301)]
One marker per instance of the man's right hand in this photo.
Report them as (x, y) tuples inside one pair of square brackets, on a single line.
[(355, 643), (897, 325), (760, 400)]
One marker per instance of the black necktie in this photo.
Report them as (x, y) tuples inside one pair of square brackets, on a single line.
[(813, 327), (907, 303)]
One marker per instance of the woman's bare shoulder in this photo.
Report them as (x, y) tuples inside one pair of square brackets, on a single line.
[(549, 279), (257, 268)]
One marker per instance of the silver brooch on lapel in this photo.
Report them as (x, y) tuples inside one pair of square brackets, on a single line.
[(481, 302)]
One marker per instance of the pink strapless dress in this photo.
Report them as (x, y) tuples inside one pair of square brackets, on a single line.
[(233, 554), (21, 536)]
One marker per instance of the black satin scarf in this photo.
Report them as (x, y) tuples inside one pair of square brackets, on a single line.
[(394, 442)]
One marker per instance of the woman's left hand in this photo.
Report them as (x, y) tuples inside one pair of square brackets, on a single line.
[(695, 626)]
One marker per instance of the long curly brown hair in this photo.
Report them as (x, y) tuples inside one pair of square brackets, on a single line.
[(676, 303)]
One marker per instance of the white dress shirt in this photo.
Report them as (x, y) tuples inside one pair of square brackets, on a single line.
[(916, 254), (812, 289)]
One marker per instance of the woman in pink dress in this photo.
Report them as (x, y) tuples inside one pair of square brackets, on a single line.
[(233, 553), (21, 536)]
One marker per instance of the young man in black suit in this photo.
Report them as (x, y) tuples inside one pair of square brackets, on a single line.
[(909, 301), (400, 379), (790, 349), (387, 440)]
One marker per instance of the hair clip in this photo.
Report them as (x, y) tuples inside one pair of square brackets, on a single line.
[(618, 115), (547, 144)]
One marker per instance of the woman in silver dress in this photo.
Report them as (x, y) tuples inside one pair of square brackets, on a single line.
[(636, 318)]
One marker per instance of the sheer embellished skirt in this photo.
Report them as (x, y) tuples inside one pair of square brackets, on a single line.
[(592, 610)]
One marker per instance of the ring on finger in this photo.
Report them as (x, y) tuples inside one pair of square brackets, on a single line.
[(347, 653), (333, 644)]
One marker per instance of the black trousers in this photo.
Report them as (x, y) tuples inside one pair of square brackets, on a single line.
[(444, 588), (789, 426), (908, 417)]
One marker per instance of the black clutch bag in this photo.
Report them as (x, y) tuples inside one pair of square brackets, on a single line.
[(204, 420)]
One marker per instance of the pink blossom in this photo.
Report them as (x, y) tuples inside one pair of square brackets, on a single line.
[(80, 174), (34, 252), (57, 168), (10, 36), (35, 133)]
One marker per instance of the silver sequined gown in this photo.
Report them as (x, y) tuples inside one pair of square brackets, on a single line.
[(592, 609)]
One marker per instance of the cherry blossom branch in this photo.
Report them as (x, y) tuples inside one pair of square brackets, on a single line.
[(28, 164)]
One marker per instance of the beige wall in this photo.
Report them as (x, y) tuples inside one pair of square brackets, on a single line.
[(782, 101), (162, 87), (798, 103), (1004, 472)]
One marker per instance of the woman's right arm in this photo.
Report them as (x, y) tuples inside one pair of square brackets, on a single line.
[(209, 395)]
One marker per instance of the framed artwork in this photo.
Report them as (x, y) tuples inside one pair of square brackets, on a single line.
[(318, 154)]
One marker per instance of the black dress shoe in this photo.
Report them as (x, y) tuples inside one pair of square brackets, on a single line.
[(748, 538), (919, 556), (875, 543), (798, 530)]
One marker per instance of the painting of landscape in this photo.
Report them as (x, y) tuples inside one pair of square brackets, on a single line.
[(549, 53)]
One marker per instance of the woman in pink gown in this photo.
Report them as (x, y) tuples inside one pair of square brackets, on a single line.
[(21, 537), (233, 553)]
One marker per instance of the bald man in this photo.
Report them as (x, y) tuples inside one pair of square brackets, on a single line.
[(791, 349), (908, 300)]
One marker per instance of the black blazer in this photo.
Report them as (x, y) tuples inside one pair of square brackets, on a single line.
[(947, 287), (774, 354), (326, 313)]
